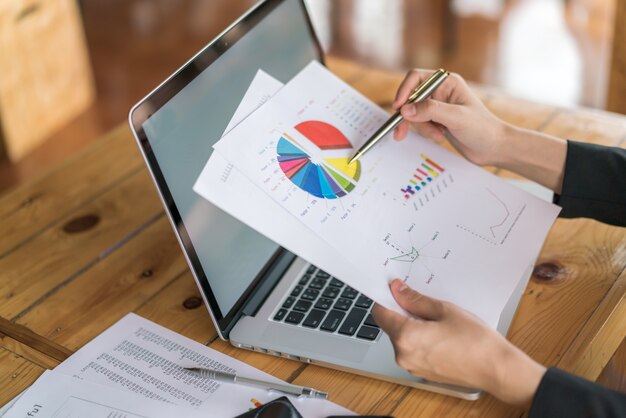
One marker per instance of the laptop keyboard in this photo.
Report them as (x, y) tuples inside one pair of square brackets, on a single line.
[(320, 301)]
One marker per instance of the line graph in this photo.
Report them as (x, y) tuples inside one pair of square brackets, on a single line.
[(419, 262), (493, 218), (506, 216)]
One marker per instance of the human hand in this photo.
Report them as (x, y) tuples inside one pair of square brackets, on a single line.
[(444, 343), (452, 112)]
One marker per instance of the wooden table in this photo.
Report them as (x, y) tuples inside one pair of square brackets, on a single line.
[(88, 242)]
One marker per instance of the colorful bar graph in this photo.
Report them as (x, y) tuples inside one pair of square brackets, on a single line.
[(426, 171)]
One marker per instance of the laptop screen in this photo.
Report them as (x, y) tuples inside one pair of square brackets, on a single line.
[(182, 130)]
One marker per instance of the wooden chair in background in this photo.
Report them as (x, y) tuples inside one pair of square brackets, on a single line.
[(617, 78)]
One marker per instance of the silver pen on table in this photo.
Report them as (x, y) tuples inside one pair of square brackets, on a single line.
[(422, 92), (279, 387)]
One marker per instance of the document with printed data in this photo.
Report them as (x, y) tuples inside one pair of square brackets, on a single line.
[(147, 360), (407, 209), (56, 395)]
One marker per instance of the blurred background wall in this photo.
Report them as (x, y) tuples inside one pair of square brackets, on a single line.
[(555, 51)]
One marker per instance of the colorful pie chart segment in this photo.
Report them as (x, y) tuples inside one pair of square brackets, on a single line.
[(330, 179)]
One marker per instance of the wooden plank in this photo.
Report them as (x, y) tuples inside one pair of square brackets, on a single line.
[(601, 335), (33, 340), (616, 100), (179, 307), (614, 374), (16, 374), (588, 125), (74, 243), (30, 209), (118, 284), (28, 353)]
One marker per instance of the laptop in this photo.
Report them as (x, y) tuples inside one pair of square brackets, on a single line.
[(260, 296)]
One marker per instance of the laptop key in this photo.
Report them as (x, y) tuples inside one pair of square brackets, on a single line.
[(368, 333), (370, 321), (322, 274), (296, 290), (310, 294), (324, 303), (332, 321), (317, 283), (288, 302), (314, 318), (311, 270), (280, 314), (352, 322), (330, 292), (294, 317), (343, 304), (363, 302), (302, 306), (304, 280), (349, 293), (335, 283)]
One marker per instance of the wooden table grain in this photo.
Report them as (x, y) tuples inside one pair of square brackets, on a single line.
[(89, 242)]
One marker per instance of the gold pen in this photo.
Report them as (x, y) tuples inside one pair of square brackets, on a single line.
[(422, 92)]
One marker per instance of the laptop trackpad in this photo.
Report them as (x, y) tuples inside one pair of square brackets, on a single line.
[(314, 342)]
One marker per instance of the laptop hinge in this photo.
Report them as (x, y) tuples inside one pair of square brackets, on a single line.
[(260, 293)]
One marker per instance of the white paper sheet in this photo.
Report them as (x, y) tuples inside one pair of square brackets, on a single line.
[(416, 211), (146, 359), (56, 395), (224, 185)]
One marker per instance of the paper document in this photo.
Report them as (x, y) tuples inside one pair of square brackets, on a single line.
[(224, 185), (408, 209), (56, 395), (146, 359)]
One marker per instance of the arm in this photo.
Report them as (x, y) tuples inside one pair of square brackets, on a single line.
[(444, 343)]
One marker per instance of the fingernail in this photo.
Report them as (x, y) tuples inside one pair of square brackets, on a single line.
[(402, 286), (409, 110)]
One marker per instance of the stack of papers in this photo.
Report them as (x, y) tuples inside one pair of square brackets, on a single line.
[(136, 369), (408, 209)]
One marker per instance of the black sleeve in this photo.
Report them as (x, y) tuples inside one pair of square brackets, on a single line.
[(561, 394), (594, 183)]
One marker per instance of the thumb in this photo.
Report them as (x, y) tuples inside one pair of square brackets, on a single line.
[(432, 110), (415, 303)]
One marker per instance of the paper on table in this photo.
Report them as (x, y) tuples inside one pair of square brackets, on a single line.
[(224, 185), (144, 358), (408, 209), (58, 395)]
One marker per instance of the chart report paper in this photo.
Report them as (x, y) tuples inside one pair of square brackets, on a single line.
[(408, 209), (143, 358), (56, 395)]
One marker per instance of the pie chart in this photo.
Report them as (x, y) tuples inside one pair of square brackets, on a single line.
[(328, 178)]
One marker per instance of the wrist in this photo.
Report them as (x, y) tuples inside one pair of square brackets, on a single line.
[(505, 155), (516, 376)]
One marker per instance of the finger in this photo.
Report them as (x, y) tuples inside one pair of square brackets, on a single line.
[(415, 303), (412, 80), (401, 130), (431, 130), (389, 321), (445, 114)]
